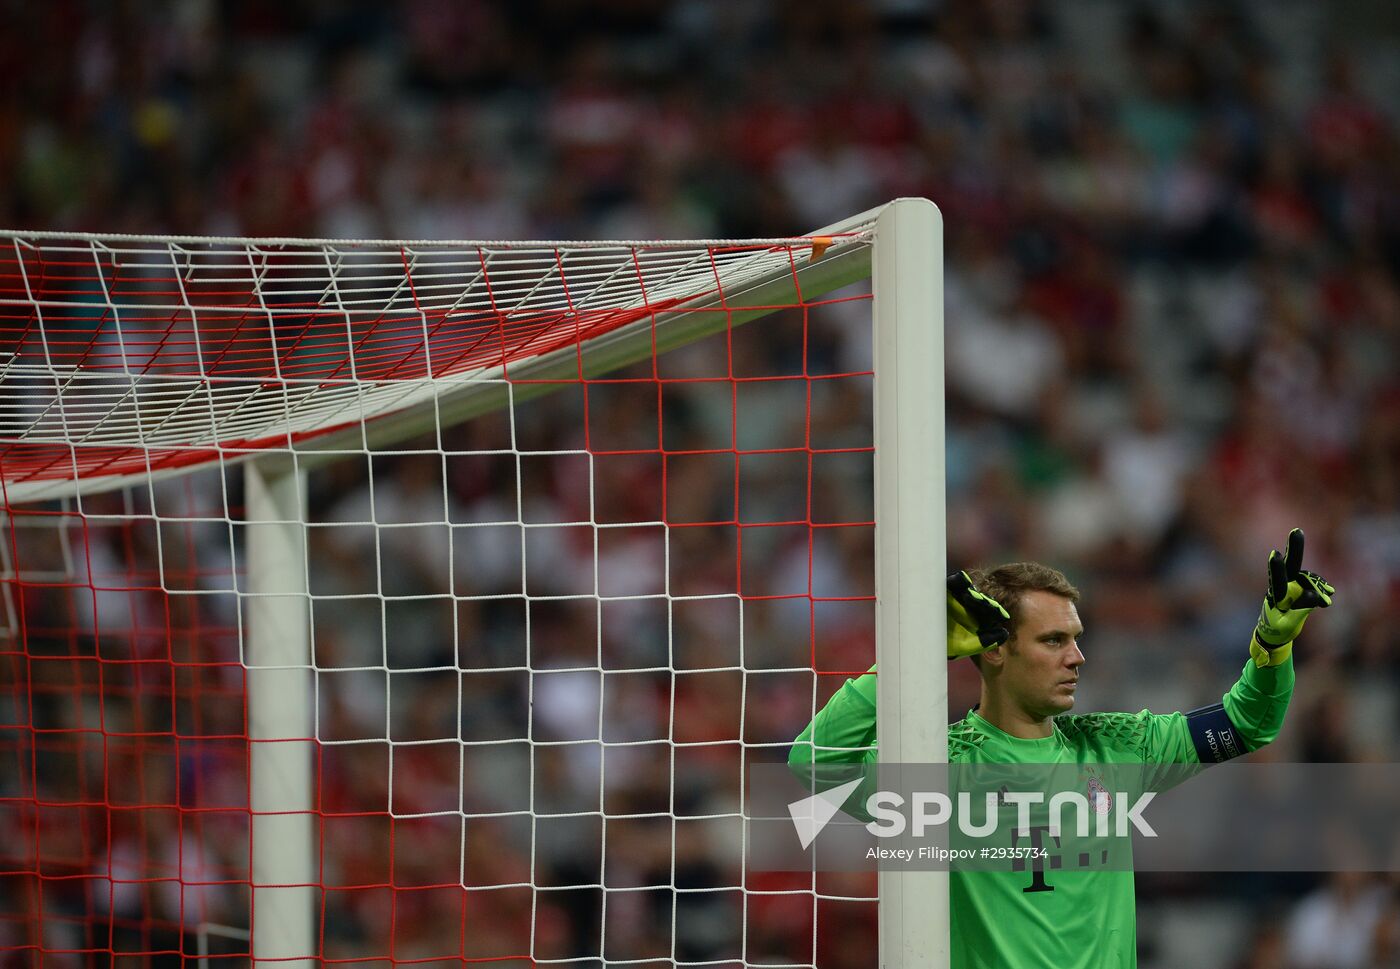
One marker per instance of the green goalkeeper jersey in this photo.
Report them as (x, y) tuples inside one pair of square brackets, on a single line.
[(1065, 918)]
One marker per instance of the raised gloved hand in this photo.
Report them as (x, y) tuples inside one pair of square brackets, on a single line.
[(1293, 593), (976, 623)]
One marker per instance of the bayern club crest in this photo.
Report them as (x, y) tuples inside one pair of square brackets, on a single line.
[(1099, 797)]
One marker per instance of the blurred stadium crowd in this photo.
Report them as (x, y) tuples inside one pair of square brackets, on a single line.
[(1173, 304)]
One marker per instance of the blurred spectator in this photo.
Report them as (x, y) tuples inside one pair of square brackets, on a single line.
[(1336, 926)]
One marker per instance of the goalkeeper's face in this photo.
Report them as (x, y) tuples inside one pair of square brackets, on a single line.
[(1041, 660)]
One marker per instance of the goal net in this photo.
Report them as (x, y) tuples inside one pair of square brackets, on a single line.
[(419, 603)]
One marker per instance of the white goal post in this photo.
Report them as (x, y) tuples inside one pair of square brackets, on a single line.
[(130, 364), (911, 548)]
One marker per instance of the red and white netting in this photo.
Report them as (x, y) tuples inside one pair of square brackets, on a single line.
[(579, 549)]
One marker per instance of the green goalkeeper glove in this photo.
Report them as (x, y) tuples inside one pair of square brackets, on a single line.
[(1293, 593), (976, 623)]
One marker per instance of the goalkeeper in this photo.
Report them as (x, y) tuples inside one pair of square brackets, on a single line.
[(1020, 625)]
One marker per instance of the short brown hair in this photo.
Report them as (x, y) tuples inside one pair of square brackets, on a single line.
[(1008, 585)]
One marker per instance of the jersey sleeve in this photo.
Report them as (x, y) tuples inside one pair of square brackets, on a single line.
[(1247, 717), (1256, 704), (1174, 747), (842, 733), (1143, 737), (1166, 739)]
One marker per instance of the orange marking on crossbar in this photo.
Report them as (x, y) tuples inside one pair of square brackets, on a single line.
[(820, 244)]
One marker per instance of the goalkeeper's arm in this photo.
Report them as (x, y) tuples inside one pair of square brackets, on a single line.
[(843, 731), (1256, 704), (839, 744)]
